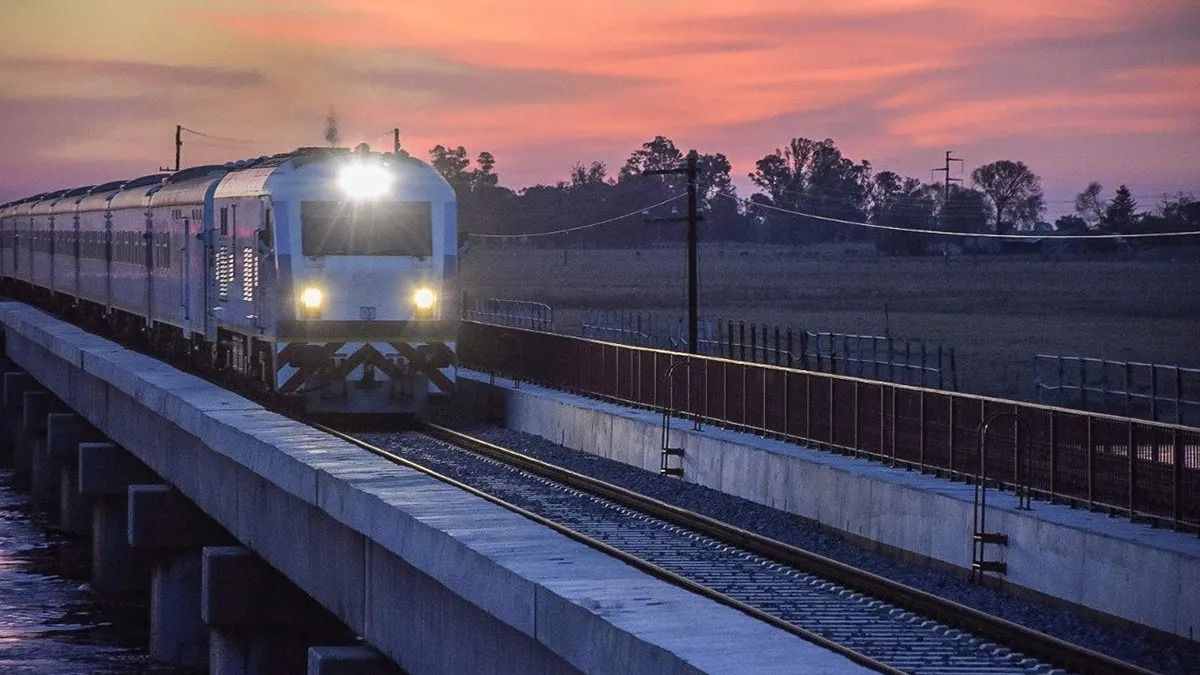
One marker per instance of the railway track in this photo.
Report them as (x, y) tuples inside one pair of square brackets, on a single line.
[(874, 621)]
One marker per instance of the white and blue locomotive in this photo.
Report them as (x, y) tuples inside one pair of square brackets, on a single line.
[(323, 275)]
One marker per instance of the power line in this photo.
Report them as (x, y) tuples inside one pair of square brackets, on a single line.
[(577, 228), (988, 235), (223, 138)]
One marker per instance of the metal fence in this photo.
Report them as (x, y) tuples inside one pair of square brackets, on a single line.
[(516, 313), (1155, 391), (878, 357), (1143, 469)]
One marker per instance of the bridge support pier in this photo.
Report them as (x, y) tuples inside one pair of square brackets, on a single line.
[(64, 433), (105, 473), (173, 530), (16, 383), (43, 469), (31, 429), (355, 660), (259, 622)]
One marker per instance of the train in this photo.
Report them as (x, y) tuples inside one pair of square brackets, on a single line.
[(323, 277)]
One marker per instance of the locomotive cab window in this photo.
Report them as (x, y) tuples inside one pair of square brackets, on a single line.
[(367, 228)]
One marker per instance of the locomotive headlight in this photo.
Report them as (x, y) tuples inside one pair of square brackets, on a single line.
[(365, 181), (311, 298), (424, 298)]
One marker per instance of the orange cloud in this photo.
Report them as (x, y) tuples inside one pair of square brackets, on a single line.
[(594, 78)]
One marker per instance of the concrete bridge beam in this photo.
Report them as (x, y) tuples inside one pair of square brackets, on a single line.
[(259, 621), (173, 530), (353, 660), (64, 433), (105, 473)]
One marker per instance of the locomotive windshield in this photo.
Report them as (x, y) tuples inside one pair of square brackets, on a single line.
[(366, 228)]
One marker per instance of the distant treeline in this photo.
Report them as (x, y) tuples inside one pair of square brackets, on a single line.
[(809, 176)]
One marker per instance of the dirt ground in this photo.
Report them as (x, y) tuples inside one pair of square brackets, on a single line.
[(997, 311)]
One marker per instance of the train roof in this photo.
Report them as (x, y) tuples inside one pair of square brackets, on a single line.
[(79, 191), (249, 177), (136, 193), (46, 203), (245, 177), (189, 186)]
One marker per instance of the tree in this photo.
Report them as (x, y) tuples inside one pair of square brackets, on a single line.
[(593, 174), (484, 176), (1120, 215), (1014, 190), (1089, 205), (900, 202), (966, 211), (714, 179), (1181, 214), (1071, 224), (813, 177), (659, 153), (452, 164)]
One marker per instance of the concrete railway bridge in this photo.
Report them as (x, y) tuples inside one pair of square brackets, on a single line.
[(272, 546)]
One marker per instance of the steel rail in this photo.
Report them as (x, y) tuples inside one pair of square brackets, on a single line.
[(1028, 641), (607, 549)]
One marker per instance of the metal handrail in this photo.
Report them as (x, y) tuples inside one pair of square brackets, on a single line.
[(982, 398), (1144, 468)]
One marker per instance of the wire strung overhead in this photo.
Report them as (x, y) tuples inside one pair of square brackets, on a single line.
[(222, 138), (987, 235), (579, 227)]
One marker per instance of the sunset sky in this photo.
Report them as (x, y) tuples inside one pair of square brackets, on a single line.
[(1080, 90)]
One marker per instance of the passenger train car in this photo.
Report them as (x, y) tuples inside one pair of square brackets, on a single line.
[(325, 276)]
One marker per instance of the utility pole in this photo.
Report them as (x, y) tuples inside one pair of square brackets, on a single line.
[(693, 238), (178, 147), (396, 141), (946, 170)]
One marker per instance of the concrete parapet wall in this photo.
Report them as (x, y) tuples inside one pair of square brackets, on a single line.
[(435, 579), (1109, 565)]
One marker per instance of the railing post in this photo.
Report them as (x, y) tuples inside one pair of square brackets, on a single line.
[(831, 406), (808, 407), (1053, 455), (941, 371), (787, 410), (763, 401), (1154, 392), (924, 364), (857, 420), (1177, 480), (875, 357), (1128, 388), (920, 431), (1104, 385), (1132, 469), (950, 417), (1091, 455), (654, 389), (883, 423), (1178, 396), (953, 371), (1083, 392)]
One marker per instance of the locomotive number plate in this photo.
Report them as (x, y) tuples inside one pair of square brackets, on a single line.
[(366, 313)]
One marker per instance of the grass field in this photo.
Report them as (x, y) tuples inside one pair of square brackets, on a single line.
[(997, 311)]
